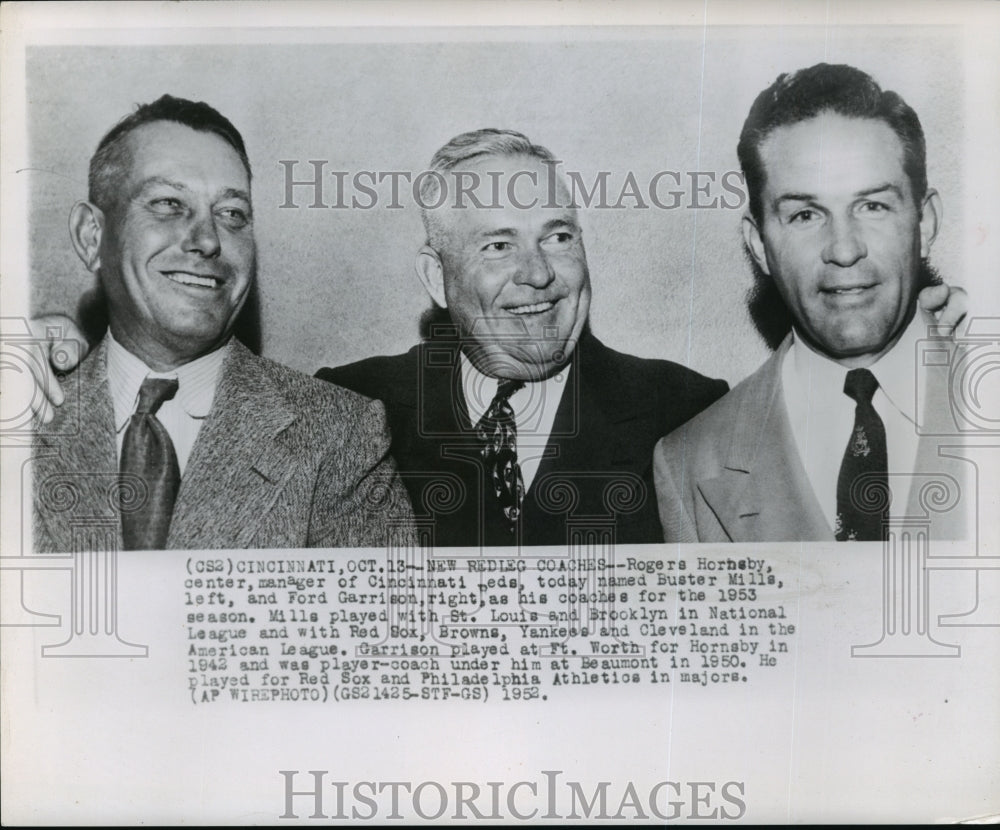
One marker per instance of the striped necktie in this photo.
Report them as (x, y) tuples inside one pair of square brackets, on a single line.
[(148, 452)]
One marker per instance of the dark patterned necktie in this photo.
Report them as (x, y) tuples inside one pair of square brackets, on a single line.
[(148, 452), (497, 431), (862, 486)]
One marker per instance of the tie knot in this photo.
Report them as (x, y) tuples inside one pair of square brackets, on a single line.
[(153, 392), (506, 388), (860, 384)]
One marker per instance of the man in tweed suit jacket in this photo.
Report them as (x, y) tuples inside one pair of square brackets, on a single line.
[(268, 457)]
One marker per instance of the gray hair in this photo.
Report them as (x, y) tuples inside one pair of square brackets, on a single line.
[(461, 149)]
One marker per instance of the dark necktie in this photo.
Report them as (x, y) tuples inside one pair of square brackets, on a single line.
[(863, 507), (498, 432), (148, 452)]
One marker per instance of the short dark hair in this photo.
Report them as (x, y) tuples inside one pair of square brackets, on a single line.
[(112, 153), (836, 88)]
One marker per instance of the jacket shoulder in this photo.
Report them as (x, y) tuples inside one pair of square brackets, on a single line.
[(669, 382), (375, 377), (312, 398), (710, 430)]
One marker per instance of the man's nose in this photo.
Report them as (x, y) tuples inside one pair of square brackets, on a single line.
[(845, 244), (202, 236), (535, 269)]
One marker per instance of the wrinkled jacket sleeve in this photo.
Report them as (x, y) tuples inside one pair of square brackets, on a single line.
[(359, 499)]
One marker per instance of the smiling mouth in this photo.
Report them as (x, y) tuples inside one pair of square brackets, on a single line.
[(847, 291), (195, 280), (534, 308)]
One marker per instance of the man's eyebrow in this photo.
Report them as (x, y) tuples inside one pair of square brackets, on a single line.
[(157, 181), (793, 197), (564, 222), (508, 232), (154, 181), (548, 227), (235, 193), (882, 188)]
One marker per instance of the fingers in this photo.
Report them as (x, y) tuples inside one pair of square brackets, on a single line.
[(934, 297), (956, 310), (42, 411), (949, 304), (64, 356), (58, 330), (40, 386), (59, 346)]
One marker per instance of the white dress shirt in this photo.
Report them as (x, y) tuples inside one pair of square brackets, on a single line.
[(822, 416), (183, 415), (534, 405)]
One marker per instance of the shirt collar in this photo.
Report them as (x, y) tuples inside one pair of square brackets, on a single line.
[(479, 389), (895, 371), (196, 381)]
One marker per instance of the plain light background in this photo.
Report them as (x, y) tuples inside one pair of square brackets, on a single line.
[(337, 285), (829, 737)]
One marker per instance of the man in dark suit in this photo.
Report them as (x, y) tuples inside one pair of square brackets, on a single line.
[(512, 423), (172, 433), (829, 439)]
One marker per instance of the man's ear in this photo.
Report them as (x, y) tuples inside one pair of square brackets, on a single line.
[(86, 227), (755, 243), (931, 214), (431, 273)]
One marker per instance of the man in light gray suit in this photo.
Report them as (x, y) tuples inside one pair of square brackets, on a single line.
[(829, 439), (171, 423)]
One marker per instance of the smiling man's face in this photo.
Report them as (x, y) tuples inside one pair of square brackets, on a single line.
[(841, 233), (177, 252), (515, 277)]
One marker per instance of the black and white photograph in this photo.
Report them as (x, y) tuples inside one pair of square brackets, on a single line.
[(510, 413)]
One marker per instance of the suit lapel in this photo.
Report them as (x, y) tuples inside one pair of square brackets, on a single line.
[(237, 467), (444, 435), (566, 444), (586, 434), (78, 456), (444, 413), (764, 493), (435, 445)]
